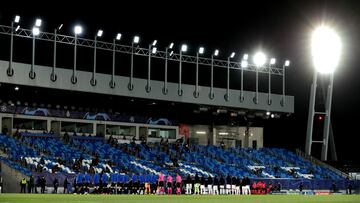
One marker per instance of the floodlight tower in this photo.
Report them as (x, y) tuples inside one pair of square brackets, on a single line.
[(183, 48), (272, 62), (152, 50), (53, 76), (77, 31), (93, 79), (196, 92), (227, 94), (211, 94), (167, 55), (112, 81), (10, 71), (326, 51), (259, 60), (135, 41), (286, 64), (35, 32), (244, 64)]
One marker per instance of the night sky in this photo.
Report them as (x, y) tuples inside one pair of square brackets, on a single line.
[(280, 28)]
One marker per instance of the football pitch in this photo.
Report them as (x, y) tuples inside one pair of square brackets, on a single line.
[(37, 198)]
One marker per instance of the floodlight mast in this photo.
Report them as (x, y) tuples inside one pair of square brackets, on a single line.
[(93, 78), (182, 49), (211, 94), (227, 94), (259, 60), (10, 71), (112, 81), (196, 91), (77, 31), (326, 51), (244, 64), (165, 87), (152, 50), (35, 32), (136, 40), (53, 76), (272, 62)]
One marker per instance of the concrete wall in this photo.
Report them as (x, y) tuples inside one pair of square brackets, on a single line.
[(11, 179)]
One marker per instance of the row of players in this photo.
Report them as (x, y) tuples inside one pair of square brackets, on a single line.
[(161, 184)]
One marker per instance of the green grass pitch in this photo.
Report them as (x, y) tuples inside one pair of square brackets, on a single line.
[(37, 198)]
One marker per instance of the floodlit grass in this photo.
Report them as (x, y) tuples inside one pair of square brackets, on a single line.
[(37, 198)]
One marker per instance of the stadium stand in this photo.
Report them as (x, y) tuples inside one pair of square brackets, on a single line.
[(114, 167)]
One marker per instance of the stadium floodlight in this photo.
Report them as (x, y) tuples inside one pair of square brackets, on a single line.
[(136, 39), (153, 51), (99, 33), (165, 87), (272, 61), (216, 52), (184, 48), (10, 71), (244, 64), (232, 55), (154, 43), (17, 19), (325, 49), (17, 28), (78, 29), (287, 63), (201, 50), (259, 59), (118, 36), (38, 22), (36, 31), (245, 57)]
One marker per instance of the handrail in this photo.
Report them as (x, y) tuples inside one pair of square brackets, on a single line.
[(321, 163)]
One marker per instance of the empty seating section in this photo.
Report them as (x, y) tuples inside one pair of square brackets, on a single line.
[(123, 161)]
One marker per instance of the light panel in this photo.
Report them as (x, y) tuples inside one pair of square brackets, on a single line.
[(326, 49), (259, 59), (184, 48), (38, 22), (78, 29), (272, 61), (118, 36), (201, 50), (287, 63), (153, 51), (99, 33), (136, 39), (36, 31), (154, 43), (246, 57), (17, 19)]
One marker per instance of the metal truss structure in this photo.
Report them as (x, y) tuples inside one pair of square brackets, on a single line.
[(184, 93), (64, 39)]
